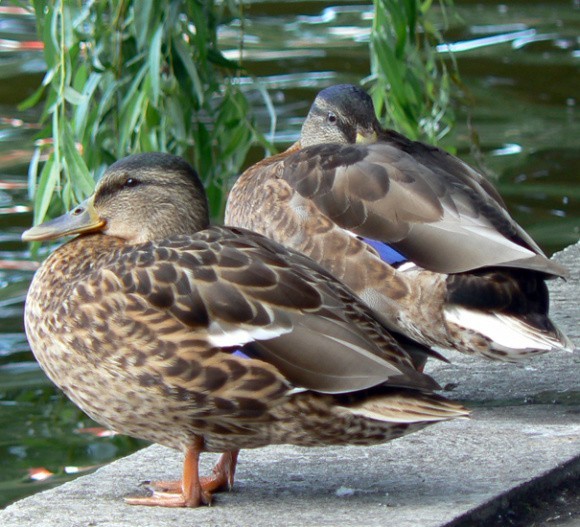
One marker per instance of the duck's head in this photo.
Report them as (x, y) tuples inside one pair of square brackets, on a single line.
[(139, 198), (342, 114)]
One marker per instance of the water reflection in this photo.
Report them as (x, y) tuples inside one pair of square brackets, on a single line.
[(507, 150), (468, 45), (519, 62)]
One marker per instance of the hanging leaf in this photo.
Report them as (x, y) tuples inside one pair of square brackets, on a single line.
[(49, 177), (72, 96), (76, 167), (409, 81), (133, 76), (155, 65)]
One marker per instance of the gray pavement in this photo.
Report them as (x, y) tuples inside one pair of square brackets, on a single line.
[(522, 440)]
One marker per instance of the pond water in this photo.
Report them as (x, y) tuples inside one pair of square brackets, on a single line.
[(518, 59)]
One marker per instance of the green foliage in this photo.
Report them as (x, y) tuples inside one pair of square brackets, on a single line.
[(125, 76), (410, 83)]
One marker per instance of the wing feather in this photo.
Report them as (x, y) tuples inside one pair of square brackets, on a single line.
[(444, 221), (232, 288)]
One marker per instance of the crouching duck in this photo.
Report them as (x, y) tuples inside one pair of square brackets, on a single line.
[(211, 338), (418, 234)]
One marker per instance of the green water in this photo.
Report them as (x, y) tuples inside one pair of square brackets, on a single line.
[(520, 64)]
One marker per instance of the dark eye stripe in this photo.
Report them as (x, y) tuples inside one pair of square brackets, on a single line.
[(112, 189), (129, 182)]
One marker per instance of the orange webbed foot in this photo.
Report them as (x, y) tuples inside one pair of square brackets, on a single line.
[(222, 477), (172, 499), (191, 491)]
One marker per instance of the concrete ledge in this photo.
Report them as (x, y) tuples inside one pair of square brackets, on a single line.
[(524, 437)]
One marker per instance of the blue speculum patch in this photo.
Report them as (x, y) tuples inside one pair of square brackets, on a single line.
[(240, 353), (386, 252)]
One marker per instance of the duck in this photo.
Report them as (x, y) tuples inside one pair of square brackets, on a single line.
[(422, 237), (211, 338)]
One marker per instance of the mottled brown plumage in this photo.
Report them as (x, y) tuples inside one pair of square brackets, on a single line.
[(211, 338), (472, 278)]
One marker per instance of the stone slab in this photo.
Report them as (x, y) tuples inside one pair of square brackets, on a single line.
[(523, 438)]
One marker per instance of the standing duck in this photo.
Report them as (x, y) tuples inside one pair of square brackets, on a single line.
[(417, 233), (210, 338)]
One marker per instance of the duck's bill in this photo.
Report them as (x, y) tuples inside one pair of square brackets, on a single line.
[(365, 137), (83, 218)]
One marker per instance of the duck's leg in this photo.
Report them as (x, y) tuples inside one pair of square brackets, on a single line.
[(186, 493), (221, 479), (223, 473)]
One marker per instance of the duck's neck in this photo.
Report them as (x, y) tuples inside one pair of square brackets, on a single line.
[(82, 254), (250, 188)]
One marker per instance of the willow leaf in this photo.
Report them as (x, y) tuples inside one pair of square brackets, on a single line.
[(48, 180), (155, 64)]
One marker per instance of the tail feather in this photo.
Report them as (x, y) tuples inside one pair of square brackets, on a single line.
[(513, 335), (409, 408)]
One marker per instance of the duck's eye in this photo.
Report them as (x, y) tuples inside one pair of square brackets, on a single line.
[(77, 211), (131, 182), (331, 118)]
